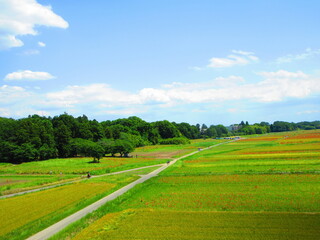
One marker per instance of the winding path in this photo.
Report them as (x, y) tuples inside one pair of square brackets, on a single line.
[(57, 227)]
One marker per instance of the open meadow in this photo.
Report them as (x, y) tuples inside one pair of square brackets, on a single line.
[(265, 187)]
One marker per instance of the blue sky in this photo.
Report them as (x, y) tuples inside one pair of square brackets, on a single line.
[(213, 62)]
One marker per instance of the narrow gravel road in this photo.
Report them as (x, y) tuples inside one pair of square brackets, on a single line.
[(57, 227)]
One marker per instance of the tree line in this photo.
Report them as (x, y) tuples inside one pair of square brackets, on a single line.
[(39, 138)]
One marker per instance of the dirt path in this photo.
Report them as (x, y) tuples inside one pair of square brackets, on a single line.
[(57, 227)]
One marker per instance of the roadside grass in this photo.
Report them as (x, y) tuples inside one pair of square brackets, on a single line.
[(25, 215)]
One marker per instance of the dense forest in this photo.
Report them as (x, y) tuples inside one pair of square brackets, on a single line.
[(39, 138)]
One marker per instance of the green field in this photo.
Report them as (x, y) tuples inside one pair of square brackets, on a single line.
[(27, 214), (258, 188), (48, 206)]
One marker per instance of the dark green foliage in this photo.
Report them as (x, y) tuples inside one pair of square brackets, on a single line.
[(280, 126), (166, 129), (187, 130), (87, 148)]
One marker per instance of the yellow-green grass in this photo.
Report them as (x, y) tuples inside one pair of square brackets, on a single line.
[(282, 193), (25, 215), (77, 166), (174, 151), (151, 224), (266, 154), (16, 183)]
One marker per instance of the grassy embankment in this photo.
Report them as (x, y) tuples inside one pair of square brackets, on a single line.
[(260, 188)]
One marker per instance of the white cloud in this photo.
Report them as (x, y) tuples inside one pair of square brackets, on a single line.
[(275, 86), (238, 58), (21, 17), (101, 93), (102, 98), (11, 94), (296, 57), (283, 74), (28, 75), (41, 44)]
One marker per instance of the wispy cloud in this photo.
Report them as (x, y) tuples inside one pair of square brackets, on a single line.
[(20, 17), (237, 58), (28, 75), (31, 52), (12, 94), (41, 44), (296, 57)]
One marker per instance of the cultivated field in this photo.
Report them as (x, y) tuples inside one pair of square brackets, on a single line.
[(26, 176), (27, 214), (264, 187)]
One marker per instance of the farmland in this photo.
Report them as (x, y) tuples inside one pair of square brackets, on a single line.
[(48, 206), (257, 188), (25, 176), (51, 205)]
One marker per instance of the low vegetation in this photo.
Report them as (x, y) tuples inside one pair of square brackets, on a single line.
[(234, 191)]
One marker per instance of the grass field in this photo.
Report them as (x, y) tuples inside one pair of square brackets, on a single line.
[(26, 214), (280, 153), (258, 188), (30, 175), (151, 224)]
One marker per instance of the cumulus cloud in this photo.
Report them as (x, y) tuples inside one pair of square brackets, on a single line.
[(275, 86), (102, 98), (20, 17), (28, 75), (237, 58)]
